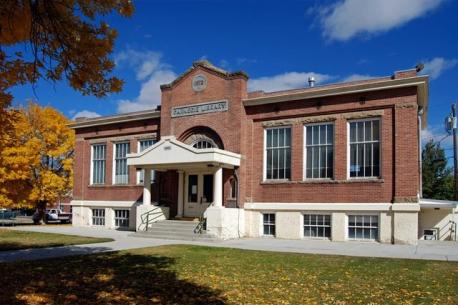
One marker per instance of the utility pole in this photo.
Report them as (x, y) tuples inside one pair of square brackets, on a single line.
[(455, 150)]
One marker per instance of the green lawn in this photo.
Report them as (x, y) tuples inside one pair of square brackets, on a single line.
[(15, 240), (203, 275)]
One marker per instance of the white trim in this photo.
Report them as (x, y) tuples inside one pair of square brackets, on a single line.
[(121, 118), (347, 226), (264, 174), (434, 203), (304, 152), (316, 206), (380, 148), (302, 224), (264, 155), (103, 203), (262, 224), (343, 89), (170, 153), (138, 171), (91, 171), (113, 176)]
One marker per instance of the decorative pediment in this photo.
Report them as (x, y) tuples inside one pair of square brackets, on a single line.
[(170, 153), (209, 67)]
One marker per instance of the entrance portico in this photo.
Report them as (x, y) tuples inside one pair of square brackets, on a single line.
[(200, 173)]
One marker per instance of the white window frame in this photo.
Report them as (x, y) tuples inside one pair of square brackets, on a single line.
[(264, 170), (91, 174), (274, 224), (121, 218), (139, 171), (380, 148), (313, 213), (304, 163), (202, 142), (114, 163), (98, 217), (347, 226)]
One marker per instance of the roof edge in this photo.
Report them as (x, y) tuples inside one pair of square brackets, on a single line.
[(113, 119), (206, 65)]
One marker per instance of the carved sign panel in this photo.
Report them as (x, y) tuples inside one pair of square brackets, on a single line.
[(217, 106)]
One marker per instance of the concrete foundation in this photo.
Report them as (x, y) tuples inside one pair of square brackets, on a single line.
[(225, 223)]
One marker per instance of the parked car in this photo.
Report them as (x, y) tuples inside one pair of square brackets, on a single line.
[(56, 215)]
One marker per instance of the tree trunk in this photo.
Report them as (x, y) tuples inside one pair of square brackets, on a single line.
[(40, 212)]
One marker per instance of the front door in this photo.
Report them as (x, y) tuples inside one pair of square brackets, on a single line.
[(198, 193)]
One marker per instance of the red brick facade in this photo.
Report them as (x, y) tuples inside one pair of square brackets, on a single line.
[(241, 130)]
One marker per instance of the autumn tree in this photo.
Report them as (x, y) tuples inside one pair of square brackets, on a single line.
[(58, 39), (437, 176), (38, 160)]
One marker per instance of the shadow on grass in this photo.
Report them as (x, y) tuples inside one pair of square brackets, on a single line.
[(52, 251), (112, 278)]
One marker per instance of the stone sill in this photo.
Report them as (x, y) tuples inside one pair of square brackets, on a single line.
[(98, 186), (322, 181)]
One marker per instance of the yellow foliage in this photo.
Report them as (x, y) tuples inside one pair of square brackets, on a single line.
[(36, 156)]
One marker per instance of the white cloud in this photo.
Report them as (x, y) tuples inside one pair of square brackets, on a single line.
[(150, 92), (436, 133), (152, 72), (85, 114), (348, 18), (285, 81), (356, 77), (436, 66), (143, 62)]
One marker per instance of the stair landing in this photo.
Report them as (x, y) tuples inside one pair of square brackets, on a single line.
[(175, 230)]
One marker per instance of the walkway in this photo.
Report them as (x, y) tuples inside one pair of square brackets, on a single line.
[(446, 251)]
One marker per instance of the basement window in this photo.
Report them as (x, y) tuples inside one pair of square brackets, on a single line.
[(363, 227), (98, 217), (268, 224), (122, 218), (317, 226)]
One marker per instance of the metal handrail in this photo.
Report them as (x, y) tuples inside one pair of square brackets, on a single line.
[(202, 222), (146, 216)]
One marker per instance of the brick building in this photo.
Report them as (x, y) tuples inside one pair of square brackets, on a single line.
[(338, 161)]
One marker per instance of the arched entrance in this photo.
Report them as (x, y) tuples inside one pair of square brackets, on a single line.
[(199, 182)]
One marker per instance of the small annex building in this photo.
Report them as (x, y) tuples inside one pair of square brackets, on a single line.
[(338, 161)]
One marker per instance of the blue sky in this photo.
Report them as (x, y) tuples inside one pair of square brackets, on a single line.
[(278, 43)]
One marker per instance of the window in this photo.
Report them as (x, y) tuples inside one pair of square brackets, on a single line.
[(278, 153), (233, 192), (98, 163), (122, 218), (318, 226), (98, 217), (363, 227), (121, 168), (268, 224), (142, 145), (365, 148), (202, 144), (319, 151)]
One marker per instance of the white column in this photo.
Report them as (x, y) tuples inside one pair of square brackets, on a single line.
[(180, 194), (218, 188), (147, 186)]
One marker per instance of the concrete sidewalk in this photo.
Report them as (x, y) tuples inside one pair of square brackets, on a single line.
[(430, 250)]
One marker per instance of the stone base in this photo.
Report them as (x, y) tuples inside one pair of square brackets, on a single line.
[(146, 215), (225, 223)]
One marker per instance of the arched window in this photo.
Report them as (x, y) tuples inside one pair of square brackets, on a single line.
[(202, 144), (201, 137)]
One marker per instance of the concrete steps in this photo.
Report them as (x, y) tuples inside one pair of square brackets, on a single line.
[(175, 230)]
